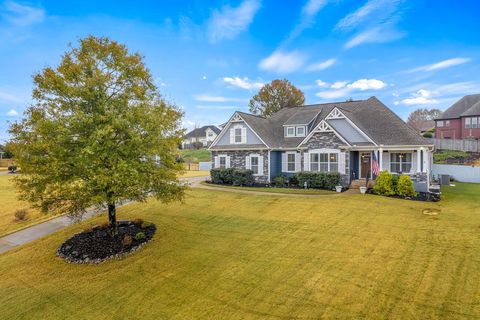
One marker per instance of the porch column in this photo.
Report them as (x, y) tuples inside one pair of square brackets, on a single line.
[(426, 160), (380, 159), (419, 160)]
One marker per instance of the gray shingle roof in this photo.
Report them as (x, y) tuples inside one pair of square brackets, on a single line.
[(200, 132), (371, 116), (461, 107), (302, 116), (473, 110)]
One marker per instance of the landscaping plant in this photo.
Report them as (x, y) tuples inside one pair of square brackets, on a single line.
[(405, 186), (384, 184)]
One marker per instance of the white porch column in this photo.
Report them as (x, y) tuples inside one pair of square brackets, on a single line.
[(419, 160), (426, 160), (380, 159)]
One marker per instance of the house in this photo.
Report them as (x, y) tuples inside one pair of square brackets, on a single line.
[(423, 126), (205, 135), (338, 136), (461, 120)]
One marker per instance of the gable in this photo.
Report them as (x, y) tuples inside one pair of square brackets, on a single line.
[(328, 140), (344, 128), (251, 137)]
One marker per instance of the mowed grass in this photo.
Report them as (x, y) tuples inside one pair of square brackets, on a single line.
[(272, 189), (9, 204), (193, 155), (191, 174), (223, 255)]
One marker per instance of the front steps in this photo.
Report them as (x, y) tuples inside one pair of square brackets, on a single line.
[(356, 184)]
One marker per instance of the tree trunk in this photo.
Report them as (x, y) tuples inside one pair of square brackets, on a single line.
[(112, 216)]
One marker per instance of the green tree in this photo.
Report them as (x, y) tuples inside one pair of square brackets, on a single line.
[(274, 96), (97, 133)]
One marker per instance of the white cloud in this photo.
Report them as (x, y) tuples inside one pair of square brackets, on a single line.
[(309, 11), (210, 98), (283, 62), (228, 22), (22, 15), (420, 97), (442, 64), (321, 65), (321, 84), (12, 113), (380, 8), (367, 84), (312, 7), (333, 94), (379, 34), (8, 97), (243, 83), (204, 78), (338, 84)]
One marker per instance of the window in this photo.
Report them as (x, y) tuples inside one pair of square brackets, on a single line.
[(238, 135), (439, 124), (400, 162), (468, 123), (447, 123), (290, 131), (223, 162), (474, 123), (324, 162), (300, 131), (291, 162), (254, 165)]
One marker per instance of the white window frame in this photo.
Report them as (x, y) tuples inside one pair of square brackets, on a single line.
[(290, 135), (328, 163), (440, 124), (474, 123), (294, 154), (468, 123), (235, 135), (401, 163), (220, 161), (300, 134), (257, 165)]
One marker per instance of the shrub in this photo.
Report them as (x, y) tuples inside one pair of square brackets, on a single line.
[(405, 186), (12, 169), (127, 240), (427, 134), (384, 184), (395, 178), (318, 180), (139, 236), (332, 179), (179, 159), (138, 222), (280, 181), (21, 215), (293, 181), (242, 177), (197, 145)]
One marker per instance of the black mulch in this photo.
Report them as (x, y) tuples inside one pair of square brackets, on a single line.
[(421, 196), (98, 244)]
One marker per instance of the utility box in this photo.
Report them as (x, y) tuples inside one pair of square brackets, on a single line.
[(444, 179)]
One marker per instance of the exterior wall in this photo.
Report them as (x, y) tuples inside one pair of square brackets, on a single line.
[(275, 163), (346, 130), (454, 131), (459, 173), (469, 132), (323, 140), (238, 160), (225, 139)]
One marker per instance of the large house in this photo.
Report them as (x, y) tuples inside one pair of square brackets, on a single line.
[(204, 135), (461, 120), (340, 136)]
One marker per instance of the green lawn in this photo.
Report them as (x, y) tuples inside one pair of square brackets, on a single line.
[(273, 190), (235, 256), (9, 204), (201, 155)]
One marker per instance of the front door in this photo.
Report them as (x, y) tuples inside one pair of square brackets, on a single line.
[(365, 164)]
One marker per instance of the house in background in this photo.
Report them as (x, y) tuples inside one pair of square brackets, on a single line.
[(425, 125), (204, 135), (339, 137), (461, 120)]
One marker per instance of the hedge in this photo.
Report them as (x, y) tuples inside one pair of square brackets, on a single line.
[(318, 180), (232, 176)]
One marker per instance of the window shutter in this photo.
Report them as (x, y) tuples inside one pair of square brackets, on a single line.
[(341, 163), (232, 136), (260, 165), (298, 162), (284, 162), (247, 163), (244, 135), (386, 161), (227, 162), (306, 161), (216, 162)]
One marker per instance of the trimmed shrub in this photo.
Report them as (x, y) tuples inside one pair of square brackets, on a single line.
[(242, 177), (318, 180), (427, 134), (21, 215), (280, 181), (293, 181), (332, 179), (405, 186), (384, 184), (395, 178)]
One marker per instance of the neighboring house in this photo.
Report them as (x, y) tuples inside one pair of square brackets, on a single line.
[(340, 137), (425, 125), (205, 135), (461, 120)]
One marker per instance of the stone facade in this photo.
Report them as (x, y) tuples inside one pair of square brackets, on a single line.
[(323, 140), (238, 160)]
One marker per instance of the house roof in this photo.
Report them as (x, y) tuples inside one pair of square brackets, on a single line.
[(371, 116), (425, 125), (466, 106), (302, 116), (200, 132)]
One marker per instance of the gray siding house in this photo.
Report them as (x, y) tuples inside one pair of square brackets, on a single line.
[(342, 137)]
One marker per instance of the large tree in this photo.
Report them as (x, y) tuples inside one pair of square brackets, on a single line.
[(274, 96), (418, 117), (97, 133)]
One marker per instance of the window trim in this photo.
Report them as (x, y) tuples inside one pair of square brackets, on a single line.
[(294, 161), (328, 162), (220, 161), (476, 124), (290, 135), (401, 163), (300, 134), (440, 124), (256, 156)]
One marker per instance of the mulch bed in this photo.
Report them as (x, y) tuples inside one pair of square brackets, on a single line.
[(421, 196), (98, 244)]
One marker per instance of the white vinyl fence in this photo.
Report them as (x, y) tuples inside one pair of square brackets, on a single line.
[(459, 173), (457, 144)]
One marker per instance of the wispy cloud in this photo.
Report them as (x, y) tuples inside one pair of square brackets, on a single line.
[(22, 15), (442, 64), (8, 97), (283, 62), (243, 83), (421, 97), (228, 22), (212, 98), (379, 34), (12, 113), (307, 18), (322, 65), (344, 88), (379, 8)]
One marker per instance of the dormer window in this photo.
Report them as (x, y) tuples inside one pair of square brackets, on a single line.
[(295, 131), (300, 131), (290, 131)]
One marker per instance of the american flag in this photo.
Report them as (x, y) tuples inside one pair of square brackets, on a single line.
[(375, 164)]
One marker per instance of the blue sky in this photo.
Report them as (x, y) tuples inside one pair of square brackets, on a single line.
[(210, 57)]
